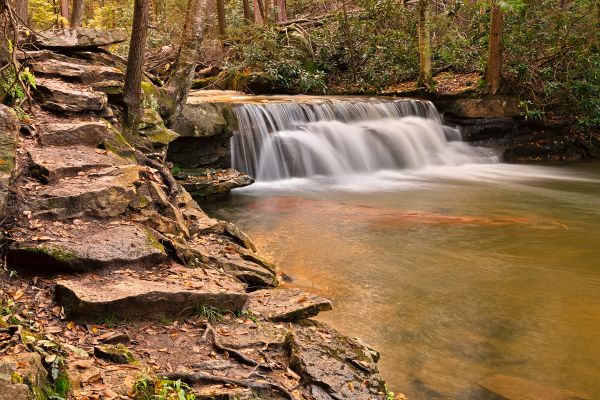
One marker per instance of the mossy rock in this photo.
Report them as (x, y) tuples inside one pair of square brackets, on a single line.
[(118, 353)]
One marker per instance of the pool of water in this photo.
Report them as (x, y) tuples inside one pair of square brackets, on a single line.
[(453, 273)]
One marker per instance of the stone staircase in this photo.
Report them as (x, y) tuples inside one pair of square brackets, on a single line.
[(113, 241)]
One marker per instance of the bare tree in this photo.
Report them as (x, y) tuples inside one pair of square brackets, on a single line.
[(64, 13), (493, 70), (221, 17), (246, 6), (132, 90), (425, 79), (258, 12), (281, 15), (77, 13), (22, 10), (182, 74)]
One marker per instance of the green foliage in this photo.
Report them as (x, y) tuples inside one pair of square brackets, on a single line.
[(43, 13), (209, 313), (11, 90), (162, 389)]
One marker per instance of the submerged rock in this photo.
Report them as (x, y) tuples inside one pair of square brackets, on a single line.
[(513, 388)]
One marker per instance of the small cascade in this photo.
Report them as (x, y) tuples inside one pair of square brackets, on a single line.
[(277, 141)]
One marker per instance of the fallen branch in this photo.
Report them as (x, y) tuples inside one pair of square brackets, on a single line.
[(199, 377), (162, 170)]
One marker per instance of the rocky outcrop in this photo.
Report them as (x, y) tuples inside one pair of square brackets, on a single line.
[(209, 183), (77, 38), (64, 97), (88, 133), (481, 108), (286, 304), (22, 377), (9, 131)]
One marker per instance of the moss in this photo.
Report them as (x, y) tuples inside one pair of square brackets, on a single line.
[(57, 253), (150, 96), (116, 353), (62, 385), (17, 378), (152, 241)]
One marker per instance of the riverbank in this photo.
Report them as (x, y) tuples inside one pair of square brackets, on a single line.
[(117, 285)]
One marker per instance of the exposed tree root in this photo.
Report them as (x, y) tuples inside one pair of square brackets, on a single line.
[(232, 352), (162, 170)]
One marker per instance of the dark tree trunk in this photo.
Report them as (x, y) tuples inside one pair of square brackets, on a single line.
[(22, 10), (247, 15), (425, 76), (182, 74), (135, 62), (493, 70), (281, 15), (77, 13), (64, 13), (221, 17)]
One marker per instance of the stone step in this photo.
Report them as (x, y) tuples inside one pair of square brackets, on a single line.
[(77, 38), (85, 133), (151, 295), (286, 304), (56, 95), (83, 246), (51, 163), (84, 73), (101, 193)]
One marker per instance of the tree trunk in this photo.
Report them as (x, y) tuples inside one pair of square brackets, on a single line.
[(77, 13), (182, 74), (258, 12), (64, 13), (425, 77), (493, 69), (247, 15), (221, 17), (266, 10), (132, 90), (281, 11), (22, 11)]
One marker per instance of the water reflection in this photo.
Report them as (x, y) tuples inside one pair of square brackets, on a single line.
[(453, 279)]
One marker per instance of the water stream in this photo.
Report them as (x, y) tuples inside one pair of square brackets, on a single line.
[(452, 264)]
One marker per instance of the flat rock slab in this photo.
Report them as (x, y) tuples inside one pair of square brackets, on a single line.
[(260, 335), (78, 38), (85, 73), (206, 182), (92, 297), (86, 247), (61, 96), (332, 364), (513, 388), (102, 193), (286, 304), (90, 133), (51, 163)]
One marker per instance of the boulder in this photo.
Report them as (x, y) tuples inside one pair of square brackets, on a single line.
[(9, 134), (512, 388), (86, 133), (332, 365), (495, 107), (51, 163), (56, 95), (118, 354), (84, 73), (82, 247), (22, 376), (77, 38), (100, 193), (286, 304), (93, 297), (206, 119), (209, 182)]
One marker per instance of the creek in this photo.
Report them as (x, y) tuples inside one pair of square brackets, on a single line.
[(452, 264)]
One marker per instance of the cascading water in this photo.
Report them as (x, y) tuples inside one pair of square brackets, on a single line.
[(277, 141)]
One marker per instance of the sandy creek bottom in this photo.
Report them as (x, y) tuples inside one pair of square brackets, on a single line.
[(453, 273)]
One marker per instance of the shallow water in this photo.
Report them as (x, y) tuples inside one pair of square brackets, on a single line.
[(453, 273)]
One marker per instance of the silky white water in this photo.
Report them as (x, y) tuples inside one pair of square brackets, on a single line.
[(341, 139)]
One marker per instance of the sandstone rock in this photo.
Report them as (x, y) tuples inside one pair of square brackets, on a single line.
[(498, 107), (260, 335), (22, 376), (51, 163), (65, 97), (196, 152), (206, 119), (253, 274), (92, 297), (102, 193), (118, 354), (513, 388), (90, 133), (9, 134), (119, 380), (85, 73), (332, 365), (78, 38), (88, 248), (205, 182), (286, 304)]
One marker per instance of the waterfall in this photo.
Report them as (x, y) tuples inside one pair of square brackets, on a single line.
[(276, 141)]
